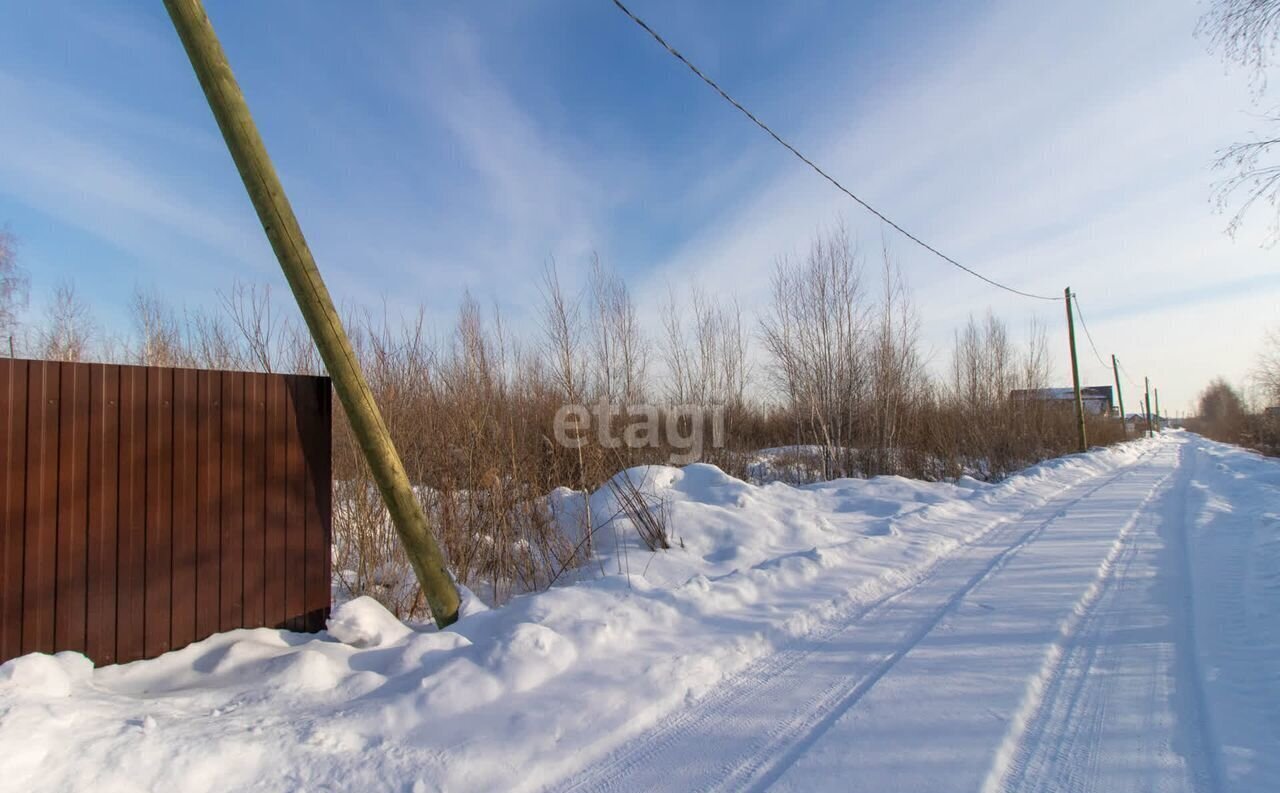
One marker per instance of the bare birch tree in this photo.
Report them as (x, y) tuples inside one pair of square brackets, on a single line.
[(816, 332), (619, 359), (562, 335), (897, 372), (67, 332), (157, 332), (1266, 369), (14, 287), (1246, 32)]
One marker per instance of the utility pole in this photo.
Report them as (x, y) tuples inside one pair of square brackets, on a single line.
[(1147, 383), (1159, 420), (282, 228), (1075, 373), (1124, 423)]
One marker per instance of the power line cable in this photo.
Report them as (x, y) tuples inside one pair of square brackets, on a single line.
[(715, 86), (1132, 382), (818, 169), (1085, 325), (1080, 313)]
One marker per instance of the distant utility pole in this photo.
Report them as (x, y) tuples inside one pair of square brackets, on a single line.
[(1075, 373), (282, 228), (1147, 383), (1124, 423), (1159, 421)]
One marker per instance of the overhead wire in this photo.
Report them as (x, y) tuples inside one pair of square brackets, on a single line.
[(816, 168), (1128, 376), (657, 37), (1080, 313), (1088, 335)]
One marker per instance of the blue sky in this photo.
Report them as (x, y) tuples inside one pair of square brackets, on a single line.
[(430, 148)]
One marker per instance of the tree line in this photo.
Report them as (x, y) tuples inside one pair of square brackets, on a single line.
[(830, 376)]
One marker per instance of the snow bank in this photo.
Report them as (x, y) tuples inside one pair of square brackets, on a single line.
[(39, 675), (1233, 536), (363, 622), (517, 697)]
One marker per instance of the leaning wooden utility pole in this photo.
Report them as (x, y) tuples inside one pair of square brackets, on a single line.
[(268, 197), (1146, 381), (1124, 423), (1075, 373)]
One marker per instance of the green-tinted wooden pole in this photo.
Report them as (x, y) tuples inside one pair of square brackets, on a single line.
[(1075, 373), (268, 197), (1124, 424), (1146, 381), (1159, 423)]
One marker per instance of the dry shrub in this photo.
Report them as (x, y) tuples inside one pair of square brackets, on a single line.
[(647, 513), (1222, 413), (472, 411)]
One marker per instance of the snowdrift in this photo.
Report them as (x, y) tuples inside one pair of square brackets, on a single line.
[(511, 698)]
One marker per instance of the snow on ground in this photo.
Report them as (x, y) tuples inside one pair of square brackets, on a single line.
[(1232, 506), (794, 465), (957, 635)]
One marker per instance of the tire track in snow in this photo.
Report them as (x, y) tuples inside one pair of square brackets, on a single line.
[(1234, 539), (1054, 739), (757, 764), (771, 763), (1209, 776), (1063, 678)]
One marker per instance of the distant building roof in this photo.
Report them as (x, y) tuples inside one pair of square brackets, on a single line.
[(1092, 392), (1095, 399)]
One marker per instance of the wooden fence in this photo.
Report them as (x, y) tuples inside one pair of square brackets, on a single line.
[(144, 508)]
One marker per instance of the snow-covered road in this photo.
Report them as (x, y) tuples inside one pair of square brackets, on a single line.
[(1104, 622), (1056, 652)]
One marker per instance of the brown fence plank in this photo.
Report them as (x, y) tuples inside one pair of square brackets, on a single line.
[(39, 554), (277, 518), (185, 467), (131, 527), (326, 498), (144, 508), (303, 400), (71, 551), (323, 479), (314, 453), (208, 501), (104, 458), (254, 502), (159, 556), (295, 526), (232, 612), (13, 485)]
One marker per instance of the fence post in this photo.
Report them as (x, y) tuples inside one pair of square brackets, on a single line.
[(278, 221), (1075, 373)]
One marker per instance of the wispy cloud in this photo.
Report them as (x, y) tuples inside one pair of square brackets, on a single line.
[(60, 159), (440, 148), (1059, 146)]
